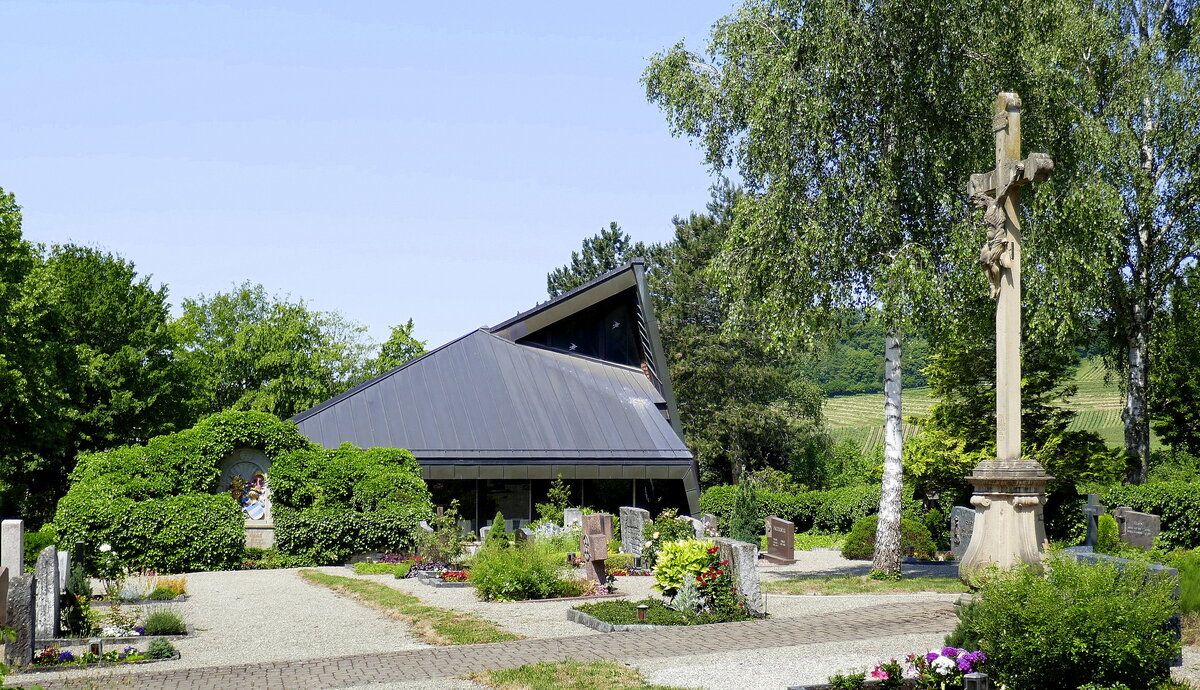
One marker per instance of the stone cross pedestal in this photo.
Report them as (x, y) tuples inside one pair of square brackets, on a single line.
[(12, 546), (1009, 489), (20, 611), (47, 594), (1093, 510), (781, 541)]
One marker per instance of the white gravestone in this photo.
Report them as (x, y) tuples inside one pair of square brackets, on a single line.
[(12, 546), (46, 619), (633, 524), (64, 570)]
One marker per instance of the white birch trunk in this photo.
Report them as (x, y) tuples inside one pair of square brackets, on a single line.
[(887, 535), (1137, 423)]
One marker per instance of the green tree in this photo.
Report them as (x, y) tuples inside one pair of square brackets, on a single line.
[(842, 121), (269, 354), (1176, 391), (609, 249), (400, 347), (744, 524)]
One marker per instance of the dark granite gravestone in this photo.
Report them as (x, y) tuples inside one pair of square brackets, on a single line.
[(1137, 529), (1093, 510), (781, 541), (21, 613), (962, 526)]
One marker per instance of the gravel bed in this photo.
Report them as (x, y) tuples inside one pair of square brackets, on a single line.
[(250, 616)]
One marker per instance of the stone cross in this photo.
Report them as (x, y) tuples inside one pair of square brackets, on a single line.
[(1093, 510), (593, 545), (46, 626), (1009, 490), (999, 193)]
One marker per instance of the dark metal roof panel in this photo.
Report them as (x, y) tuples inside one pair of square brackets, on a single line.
[(485, 397)]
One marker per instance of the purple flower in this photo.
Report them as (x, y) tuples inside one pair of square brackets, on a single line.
[(930, 657), (130, 650), (951, 652), (66, 656)]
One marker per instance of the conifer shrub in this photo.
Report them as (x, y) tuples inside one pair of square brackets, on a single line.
[(744, 522)]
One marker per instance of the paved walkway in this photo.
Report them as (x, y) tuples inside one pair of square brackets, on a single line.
[(447, 662)]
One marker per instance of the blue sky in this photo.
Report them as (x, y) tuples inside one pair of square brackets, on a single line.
[(383, 159)]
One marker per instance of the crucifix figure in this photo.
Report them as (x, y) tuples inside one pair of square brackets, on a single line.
[(1009, 490)]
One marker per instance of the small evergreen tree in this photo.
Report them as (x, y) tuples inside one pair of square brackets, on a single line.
[(558, 499), (497, 536), (744, 523)]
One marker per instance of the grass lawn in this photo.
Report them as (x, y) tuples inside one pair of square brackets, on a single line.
[(567, 675), (432, 624), (863, 584), (622, 612)]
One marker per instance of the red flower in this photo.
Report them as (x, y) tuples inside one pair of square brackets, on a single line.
[(713, 550)]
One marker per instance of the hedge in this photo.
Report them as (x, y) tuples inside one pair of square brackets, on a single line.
[(1178, 503), (834, 510), (328, 536)]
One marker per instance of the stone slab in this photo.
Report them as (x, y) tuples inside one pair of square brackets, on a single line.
[(64, 570), (962, 526), (46, 625), (597, 522), (12, 546), (572, 517), (633, 527), (1137, 529), (781, 541), (743, 558), (3, 596), (21, 611)]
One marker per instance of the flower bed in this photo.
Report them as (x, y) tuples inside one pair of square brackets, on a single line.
[(631, 572), (53, 658), (625, 613)]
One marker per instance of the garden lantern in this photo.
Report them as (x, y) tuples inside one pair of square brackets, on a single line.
[(641, 609), (976, 681), (96, 646)]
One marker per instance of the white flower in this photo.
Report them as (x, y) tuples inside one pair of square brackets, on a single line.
[(106, 548), (944, 665), (648, 542)]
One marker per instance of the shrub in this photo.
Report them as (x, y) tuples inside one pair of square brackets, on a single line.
[(914, 539), (399, 570), (157, 504), (523, 572), (834, 510), (1079, 623), (847, 681), (328, 536), (667, 527), (445, 542), (160, 649), (35, 542), (162, 620), (680, 560), (162, 593), (1188, 565), (1108, 538), (1177, 502), (497, 536), (744, 523)]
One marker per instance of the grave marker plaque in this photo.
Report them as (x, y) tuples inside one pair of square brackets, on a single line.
[(1093, 510), (633, 526), (962, 526), (781, 541), (1137, 529)]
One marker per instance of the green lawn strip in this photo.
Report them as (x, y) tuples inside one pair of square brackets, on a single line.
[(398, 569), (434, 625), (567, 675), (862, 584), (623, 612)]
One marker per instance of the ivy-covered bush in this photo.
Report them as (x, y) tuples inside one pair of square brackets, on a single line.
[(1076, 624), (831, 511), (157, 506), (1177, 502), (914, 539), (331, 504)]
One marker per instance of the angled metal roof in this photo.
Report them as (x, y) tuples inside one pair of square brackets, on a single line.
[(485, 397)]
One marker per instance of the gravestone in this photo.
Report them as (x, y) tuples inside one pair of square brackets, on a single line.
[(21, 611), (46, 625), (743, 559), (697, 525), (1093, 510), (522, 535), (781, 541), (549, 530), (3, 596), (12, 546), (64, 570), (593, 547), (425, 527), (710, 523), (962, 526), (572, 517), (1137, 529), (483, 532), (598, 522), (633, 526)]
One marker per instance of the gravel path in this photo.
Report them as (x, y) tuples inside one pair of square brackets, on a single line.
[(254, 616)]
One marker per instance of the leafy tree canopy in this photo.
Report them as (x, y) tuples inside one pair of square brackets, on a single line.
[(609, 249)]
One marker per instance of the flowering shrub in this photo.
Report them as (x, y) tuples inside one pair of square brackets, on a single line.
[(668, 527), (678, 560), (942, 670), (456, 576), (889, 674)]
